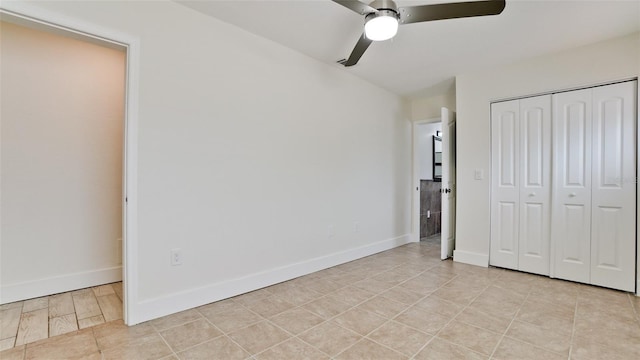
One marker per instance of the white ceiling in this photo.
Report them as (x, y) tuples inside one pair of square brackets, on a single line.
[(424, 56)]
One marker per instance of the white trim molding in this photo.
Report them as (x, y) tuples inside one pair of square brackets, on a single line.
[(58, 284), (165, 305), (471, 258)]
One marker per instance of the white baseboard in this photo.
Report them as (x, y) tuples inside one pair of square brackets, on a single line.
[(638, 286), (471, 258), (166, 305), (57, 284)]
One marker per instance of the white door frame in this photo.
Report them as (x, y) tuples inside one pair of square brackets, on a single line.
[(57, 23), (415, 197)]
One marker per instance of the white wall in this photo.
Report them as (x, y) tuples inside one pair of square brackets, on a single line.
[(598, 63), (61, 145), (247, 152), (425, 148), (428, 107)]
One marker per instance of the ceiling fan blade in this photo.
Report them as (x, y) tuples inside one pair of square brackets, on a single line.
[(414, 14), (358, 50), (356, 6)]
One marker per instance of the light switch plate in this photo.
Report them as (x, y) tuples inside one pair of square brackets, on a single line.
[(478, 174)]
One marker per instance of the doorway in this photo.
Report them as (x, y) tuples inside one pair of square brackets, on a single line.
[(123, 245), (434, 174)]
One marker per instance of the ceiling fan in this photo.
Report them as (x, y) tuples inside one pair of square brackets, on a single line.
[(382, 17)]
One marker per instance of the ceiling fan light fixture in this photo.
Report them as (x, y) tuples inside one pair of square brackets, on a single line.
[(382, 25)]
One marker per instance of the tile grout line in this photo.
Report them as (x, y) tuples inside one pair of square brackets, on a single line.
[(504, 334)]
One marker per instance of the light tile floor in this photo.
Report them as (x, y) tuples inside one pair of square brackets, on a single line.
[(28, 321), (399, 304)]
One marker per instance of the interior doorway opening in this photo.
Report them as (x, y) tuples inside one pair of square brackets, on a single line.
[(115, 271)]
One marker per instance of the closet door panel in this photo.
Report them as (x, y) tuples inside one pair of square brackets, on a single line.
[(535, 187), (504, 189), (571, 213), (613, 237)]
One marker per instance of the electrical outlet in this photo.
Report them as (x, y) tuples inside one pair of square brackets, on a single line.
[(330, 231), (356, 227), (176, 257), (428, 214)]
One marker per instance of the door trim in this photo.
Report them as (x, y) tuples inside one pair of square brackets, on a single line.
[(61, 23)]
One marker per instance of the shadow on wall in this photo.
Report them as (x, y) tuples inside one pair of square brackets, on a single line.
[(430, 207)]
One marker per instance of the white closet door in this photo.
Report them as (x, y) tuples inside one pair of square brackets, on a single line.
[(571, 223), (504, 185), (613, 187), (535, 184)]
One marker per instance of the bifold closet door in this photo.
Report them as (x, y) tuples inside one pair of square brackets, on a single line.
[(613, 186), (535, 184), (571, 224), (505, 173), (521, 183)]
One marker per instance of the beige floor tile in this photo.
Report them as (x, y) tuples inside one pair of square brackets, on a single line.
[(360, 321), (17, 353), (33, 326), (117, 334), (555, 341), (248, 298), (366, 349), (148, 347), (458, 294), (400, 337), (9, 322), (330, 338), (510, 349), (228, 321), (220, 348), (471, 337), (62, 325), (259, 337), (327, 307), (373, 285), (439, 349), (111, 307), (585, 349), (218, 307), (425, 283), (187, 335), (482, 320), (384, 307), (90, 321), (35, 304), (298, 295), (7, 343), (351, 295), (117, 288), (103, 290), (270, 306), (176, 319), (324, 286), (292, 349), (422, 320), (402, 295), (69, 346), (61, 304), (438, 305), (297, 320), (628, 341), (13, 305), (85, 304)]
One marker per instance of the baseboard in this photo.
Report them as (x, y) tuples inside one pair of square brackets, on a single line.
[(638, 287), (57, 284), (471, 258), (166, 305)]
